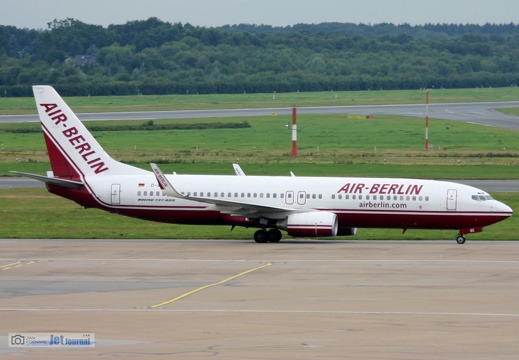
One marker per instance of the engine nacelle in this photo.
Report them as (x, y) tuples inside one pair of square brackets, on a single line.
[(309, 224)]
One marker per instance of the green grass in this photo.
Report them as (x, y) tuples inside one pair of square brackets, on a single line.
[(35, 213), (219, 101), (338, 146)]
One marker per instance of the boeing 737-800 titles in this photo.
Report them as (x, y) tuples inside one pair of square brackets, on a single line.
[(302, 206)]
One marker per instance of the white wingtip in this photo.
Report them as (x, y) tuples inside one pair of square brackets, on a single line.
[(238, 170)]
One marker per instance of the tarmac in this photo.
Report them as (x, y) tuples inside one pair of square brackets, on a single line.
[(298, 299)]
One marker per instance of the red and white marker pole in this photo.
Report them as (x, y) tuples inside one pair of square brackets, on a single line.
[(294, 131), (426, 119)]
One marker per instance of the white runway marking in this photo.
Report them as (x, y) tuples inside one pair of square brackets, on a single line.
[(280, 261), (269, 311)]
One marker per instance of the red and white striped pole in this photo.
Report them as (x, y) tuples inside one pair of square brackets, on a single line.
[(427, 119), (294, 131)]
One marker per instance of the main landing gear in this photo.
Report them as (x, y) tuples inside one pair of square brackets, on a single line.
[(460, 239), (263, 236)]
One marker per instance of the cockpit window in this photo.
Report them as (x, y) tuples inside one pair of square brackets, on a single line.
[(482, 197)]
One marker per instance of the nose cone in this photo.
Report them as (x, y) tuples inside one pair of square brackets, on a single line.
[(502, 209)]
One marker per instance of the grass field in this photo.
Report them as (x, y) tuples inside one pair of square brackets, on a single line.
[(329, 145), (231, 101)]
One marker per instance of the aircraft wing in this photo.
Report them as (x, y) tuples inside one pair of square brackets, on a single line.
[(46, 179), (225, 206)]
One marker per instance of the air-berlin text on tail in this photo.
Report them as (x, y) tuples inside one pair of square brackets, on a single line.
[(381, 189), (75, 139)]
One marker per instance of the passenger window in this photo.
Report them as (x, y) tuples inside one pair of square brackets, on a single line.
[(320, 196), (333, 196), (138, 193)]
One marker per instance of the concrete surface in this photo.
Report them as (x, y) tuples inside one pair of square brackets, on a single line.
[(297, 299)]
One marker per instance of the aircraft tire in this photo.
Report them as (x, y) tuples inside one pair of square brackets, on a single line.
[(261, 236), (274, 235), (460, 239)]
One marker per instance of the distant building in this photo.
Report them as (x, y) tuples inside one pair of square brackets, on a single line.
[(84, 60)]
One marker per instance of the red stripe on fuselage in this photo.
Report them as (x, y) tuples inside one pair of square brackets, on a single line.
[(359, 219)]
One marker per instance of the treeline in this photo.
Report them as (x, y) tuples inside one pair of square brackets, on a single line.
[(156, 57)]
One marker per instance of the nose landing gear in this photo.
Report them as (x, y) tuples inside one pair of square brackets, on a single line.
[(460, 239)]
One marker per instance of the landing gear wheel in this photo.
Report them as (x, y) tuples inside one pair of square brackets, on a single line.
[(261, 236), (460, 239), (274, 235)]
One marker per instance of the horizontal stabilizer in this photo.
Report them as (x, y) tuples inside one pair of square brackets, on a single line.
[(70, 184)]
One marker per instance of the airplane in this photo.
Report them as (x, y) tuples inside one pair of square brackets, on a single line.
[(301, 206)]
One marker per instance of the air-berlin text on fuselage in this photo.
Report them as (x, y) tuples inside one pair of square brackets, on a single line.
[(75, 139), (381, 189)]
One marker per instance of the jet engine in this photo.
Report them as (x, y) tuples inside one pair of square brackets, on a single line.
[(315, 223)]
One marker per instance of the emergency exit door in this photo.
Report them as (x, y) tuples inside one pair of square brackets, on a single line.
[(452, 200), (116, 194)]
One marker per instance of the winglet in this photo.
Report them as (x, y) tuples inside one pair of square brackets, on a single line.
[(164, 183), (238, 170)]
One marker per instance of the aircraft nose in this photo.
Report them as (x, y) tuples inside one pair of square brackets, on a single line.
[(503, 209)]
